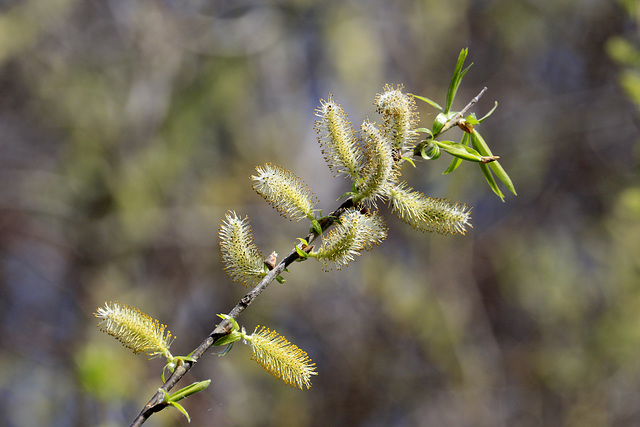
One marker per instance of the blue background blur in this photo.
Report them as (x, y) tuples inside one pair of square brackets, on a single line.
[(129, 128)]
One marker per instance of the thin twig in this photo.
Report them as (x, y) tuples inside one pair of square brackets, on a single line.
[(156, 404), (417, 151), (454, 121)]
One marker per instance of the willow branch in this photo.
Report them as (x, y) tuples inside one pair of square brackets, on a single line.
[(156, 403)]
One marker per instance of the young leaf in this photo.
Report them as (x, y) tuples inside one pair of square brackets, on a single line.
[(471, 119), (460, 150), (458, 74), (302, 254), (482, 147), (430, 151), (315, 225), (439, 122), (492, 183), (180, 408), (456, 160), (489, 113), (431, 102), (189, 390)]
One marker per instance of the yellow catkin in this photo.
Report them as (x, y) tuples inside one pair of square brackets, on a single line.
[(281, 358), (284, 190), (428, 213), (134, 329), (242, 259), (400, 116), (337, 138)]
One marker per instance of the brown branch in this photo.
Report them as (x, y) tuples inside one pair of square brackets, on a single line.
[(156, 404)]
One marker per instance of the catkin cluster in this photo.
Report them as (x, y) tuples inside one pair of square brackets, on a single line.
[(372, 160)]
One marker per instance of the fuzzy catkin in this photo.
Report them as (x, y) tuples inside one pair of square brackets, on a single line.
[(242, 259), (379, 172), (354, 233), (281, 358), (400, 116), (134, 329), (337, 139), (285, 191), (428, 213)]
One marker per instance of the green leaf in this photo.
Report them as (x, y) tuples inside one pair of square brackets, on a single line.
[(228, 339), (492, 183), (280, 279), (302, 254), (453, 166), (410, 160), (315, 225), (502, 175), (181, 409), (231, 320), (189, 390), (458, 74), (439, 122), (459, 150), (430, 151), (489, 113), (471, 119), (431, 102), (456, 160), (482, 147), (347, 194), (425, 130), (225, 351)]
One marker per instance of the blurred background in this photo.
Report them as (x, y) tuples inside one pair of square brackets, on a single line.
[(129, 128)]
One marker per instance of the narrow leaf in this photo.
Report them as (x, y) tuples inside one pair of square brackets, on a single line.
[(439, 122), (408, 159), (482, 147), (431, 102), (456, 79), (228, 339), (425, 130), (316, 227), (181, 409), (456, 160), (492, 183), (489, 113), (231, 320), (189, 390), (460, 150), (453, 166)]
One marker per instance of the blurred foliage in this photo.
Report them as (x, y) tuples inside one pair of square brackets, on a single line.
[(130, 128)]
